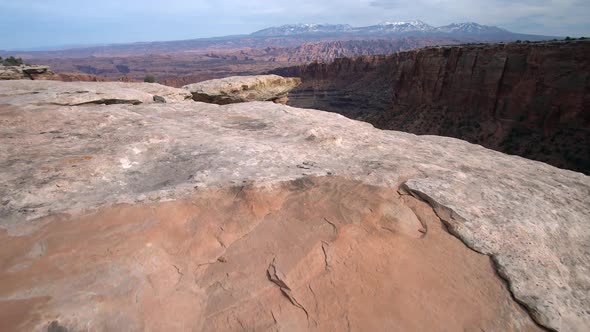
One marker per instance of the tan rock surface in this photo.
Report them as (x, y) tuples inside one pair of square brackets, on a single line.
[(24, 92), (11, 73), (530, 217), (238, 89)]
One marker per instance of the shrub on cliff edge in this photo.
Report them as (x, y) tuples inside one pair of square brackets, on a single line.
[(11, 61), (149, 79)]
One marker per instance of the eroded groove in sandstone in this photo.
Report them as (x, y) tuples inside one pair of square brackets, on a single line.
[(275, 276), (104, 102)]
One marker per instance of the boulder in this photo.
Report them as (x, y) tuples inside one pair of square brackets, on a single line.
[(239, 89), (11, 73), (159, 99), (25, 72), (35, 69), (262, 216)]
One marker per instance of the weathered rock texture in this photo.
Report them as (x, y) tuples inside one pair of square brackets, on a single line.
[(532, 100), (82, 93), (193, 216), (239, 89), (315, 254)]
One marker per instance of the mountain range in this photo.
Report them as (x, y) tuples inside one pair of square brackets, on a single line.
[(181, 62), (293, 35), (414, 28)]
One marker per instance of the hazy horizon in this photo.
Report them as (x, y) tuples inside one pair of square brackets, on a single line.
[(76, 23)]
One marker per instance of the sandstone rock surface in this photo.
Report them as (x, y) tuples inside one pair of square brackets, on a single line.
[(80, 93), (238, 89), (265, 216)]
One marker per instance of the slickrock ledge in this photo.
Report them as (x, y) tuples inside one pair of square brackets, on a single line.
[(41, 92), (213, 195), (239, 89)]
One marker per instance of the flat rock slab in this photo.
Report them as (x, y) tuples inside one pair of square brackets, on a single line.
[(239, 89), (39, 92), (531, 218)]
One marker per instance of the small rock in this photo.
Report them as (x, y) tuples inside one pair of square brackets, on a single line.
[(159, 99)]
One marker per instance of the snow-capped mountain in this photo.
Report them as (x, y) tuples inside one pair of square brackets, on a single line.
[(470, 28), (468, 31), (301, 29), (399, 27)]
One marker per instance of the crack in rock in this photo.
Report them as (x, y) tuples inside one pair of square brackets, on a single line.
[(277, 277), (332, 224), (107, 101), (325, 246)]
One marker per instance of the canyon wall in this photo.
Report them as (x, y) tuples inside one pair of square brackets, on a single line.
[(528, 99)]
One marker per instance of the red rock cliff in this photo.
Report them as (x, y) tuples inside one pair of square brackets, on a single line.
[(532, 100)]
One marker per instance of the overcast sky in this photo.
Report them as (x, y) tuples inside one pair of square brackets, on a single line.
[(41, 23)]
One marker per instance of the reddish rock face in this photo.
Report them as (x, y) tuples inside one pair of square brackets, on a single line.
[(317, 254), (532, 100)]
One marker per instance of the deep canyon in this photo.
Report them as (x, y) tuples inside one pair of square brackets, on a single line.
[(526, 99)]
